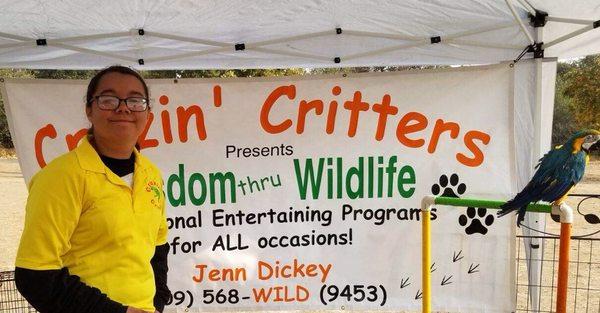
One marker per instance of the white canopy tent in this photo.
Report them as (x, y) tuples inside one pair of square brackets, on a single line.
[(183, 34), (267, 34)]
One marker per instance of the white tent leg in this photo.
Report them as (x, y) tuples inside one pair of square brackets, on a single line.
[(544, 107), (545, 78)]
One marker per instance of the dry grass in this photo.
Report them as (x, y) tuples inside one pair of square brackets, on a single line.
[(8, 153)]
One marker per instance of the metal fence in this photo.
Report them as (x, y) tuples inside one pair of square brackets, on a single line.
[(584, 277), (10, 299), (584, 266)]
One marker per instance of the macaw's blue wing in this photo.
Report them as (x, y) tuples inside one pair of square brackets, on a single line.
[(557, 172)]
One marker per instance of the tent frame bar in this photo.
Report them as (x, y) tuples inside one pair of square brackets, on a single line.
[(92, 37), (570, 20), (527, 6), (569, 36), (516, 16), (221, 47)]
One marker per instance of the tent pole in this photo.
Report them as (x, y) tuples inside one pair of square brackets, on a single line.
[(388, 49), (569, 20), (516, 16), (91, 37), (189, 54), (291, 53), (188, 39), (18, 44), (90, 51), (527, 6), (15, 37), (569, 36), (482, 44), (293, 38)]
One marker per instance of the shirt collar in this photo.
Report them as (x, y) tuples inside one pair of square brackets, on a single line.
[(90, 160)]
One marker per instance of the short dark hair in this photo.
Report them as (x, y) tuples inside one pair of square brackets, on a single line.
[(93, 85)]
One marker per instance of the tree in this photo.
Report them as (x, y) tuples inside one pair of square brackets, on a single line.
[(5, 139), (564, 123), (582, 87)]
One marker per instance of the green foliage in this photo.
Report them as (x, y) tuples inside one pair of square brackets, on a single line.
[(577, 100), (582, 86), (564, 123), (5, 139), (62, 74)]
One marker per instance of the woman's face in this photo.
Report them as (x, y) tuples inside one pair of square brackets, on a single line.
[(120, 125)]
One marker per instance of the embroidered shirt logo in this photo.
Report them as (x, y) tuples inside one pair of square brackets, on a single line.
[(155, 189)]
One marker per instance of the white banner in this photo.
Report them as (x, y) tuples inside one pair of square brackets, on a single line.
[(303, 193)]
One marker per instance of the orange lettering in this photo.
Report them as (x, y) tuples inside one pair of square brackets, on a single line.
[(166, 126), (410, 123), (384, 109), (438, 129), (183, 119), (478, 156), (303, 109), (166, 120), (142, 141), (355, 106), (332, 112), (46, 131), (217, 96), (73, 140), (290, 92)]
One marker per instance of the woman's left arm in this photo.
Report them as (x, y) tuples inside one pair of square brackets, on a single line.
[(160, 268)]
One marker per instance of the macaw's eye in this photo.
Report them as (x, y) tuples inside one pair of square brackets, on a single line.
[(588, 138), (592, 138)]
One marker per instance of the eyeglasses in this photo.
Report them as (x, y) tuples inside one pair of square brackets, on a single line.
[(111, 103)]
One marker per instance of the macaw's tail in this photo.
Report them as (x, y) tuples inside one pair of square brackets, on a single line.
[(510, 207), (505, 210)]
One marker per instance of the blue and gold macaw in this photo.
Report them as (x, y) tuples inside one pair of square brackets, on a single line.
[(557, 172)]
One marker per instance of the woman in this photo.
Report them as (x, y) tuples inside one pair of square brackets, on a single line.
[(95, 228)]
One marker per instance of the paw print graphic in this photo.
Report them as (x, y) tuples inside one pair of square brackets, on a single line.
[(476, 218), (448, 187)]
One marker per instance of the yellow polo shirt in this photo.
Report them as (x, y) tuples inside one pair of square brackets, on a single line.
[(82, 216)]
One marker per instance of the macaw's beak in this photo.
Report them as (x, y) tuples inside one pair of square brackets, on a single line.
[(595, 146)]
